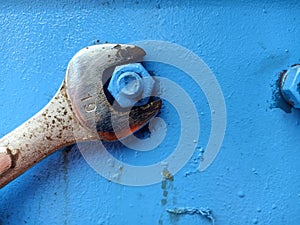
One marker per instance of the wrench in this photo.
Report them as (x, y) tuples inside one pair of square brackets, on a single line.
[(81, 106)]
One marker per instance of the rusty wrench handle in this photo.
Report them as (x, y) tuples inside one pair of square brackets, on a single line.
[(50, 129)]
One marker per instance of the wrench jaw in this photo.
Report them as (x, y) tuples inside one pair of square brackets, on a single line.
[(140, 116), (87, 73), (118, 125)]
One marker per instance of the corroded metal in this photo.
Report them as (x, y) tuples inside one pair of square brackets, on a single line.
[(6, 162), (80, 106)]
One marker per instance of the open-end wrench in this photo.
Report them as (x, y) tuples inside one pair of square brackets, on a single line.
[(80, 107)]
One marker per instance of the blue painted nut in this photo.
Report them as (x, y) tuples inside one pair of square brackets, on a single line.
[(290, 86), (131, 85)]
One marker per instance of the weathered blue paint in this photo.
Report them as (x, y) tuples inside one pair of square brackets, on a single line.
[(255, 178)]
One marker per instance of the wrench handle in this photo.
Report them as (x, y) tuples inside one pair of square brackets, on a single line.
[(49, 130)]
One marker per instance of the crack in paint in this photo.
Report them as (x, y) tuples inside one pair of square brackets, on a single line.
[(204, 212)]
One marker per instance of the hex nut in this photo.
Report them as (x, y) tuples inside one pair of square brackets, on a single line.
[(290, 86), (130, 85)]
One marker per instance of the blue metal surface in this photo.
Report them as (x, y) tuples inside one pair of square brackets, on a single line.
[(255, 178)]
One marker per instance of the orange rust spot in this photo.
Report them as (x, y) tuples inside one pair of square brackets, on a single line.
[(111, 136), (107, 136)]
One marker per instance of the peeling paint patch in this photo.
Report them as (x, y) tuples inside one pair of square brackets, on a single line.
[(196, 160), (204, 212)]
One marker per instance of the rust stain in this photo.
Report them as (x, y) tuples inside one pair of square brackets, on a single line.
[(165, 185), (117, 46), (5, 162), (14, 155), (167, 175)]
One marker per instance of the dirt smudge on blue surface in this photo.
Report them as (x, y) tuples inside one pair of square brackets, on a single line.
[(168, 192), (166, 185)]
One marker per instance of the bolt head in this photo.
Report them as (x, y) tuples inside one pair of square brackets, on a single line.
[(131, 85), (290, 86)]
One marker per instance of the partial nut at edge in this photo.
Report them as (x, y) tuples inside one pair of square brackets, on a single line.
[(5, 162), (290, 86)]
